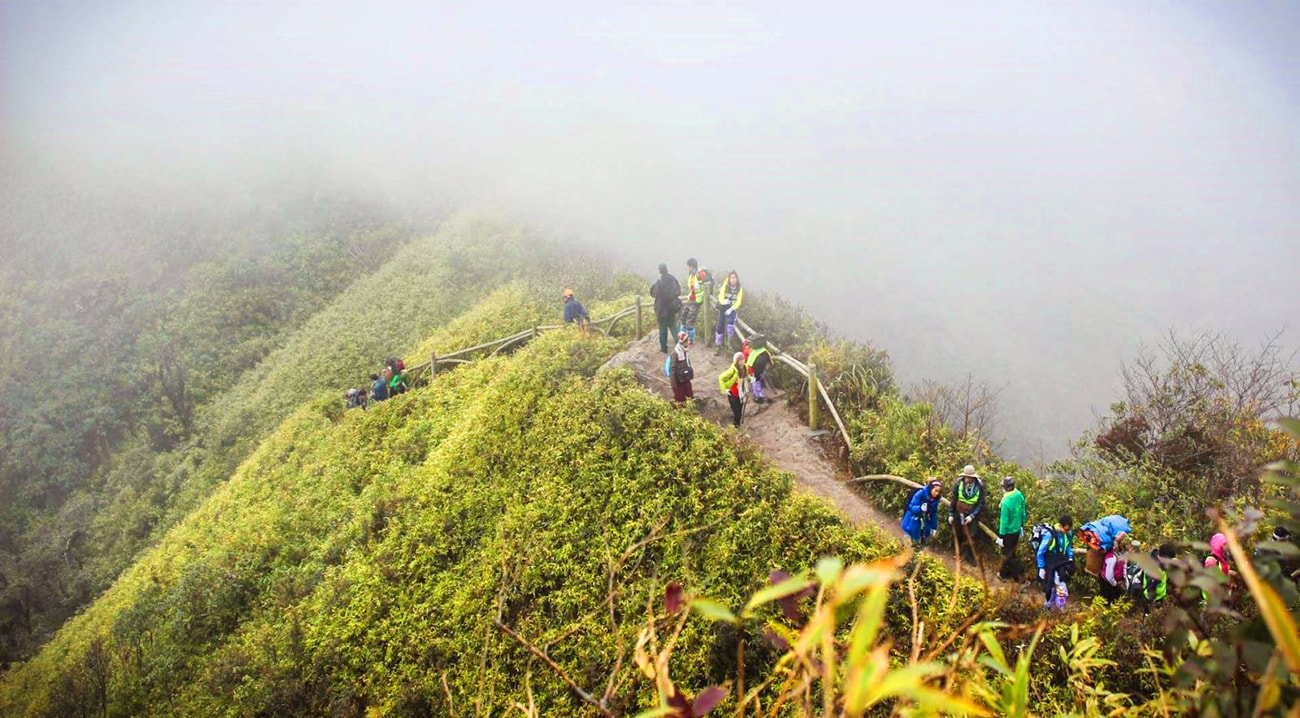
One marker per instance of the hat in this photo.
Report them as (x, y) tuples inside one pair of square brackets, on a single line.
[(1008, 483), (663, 267), (567, 292), (1281, 534), (683, 336), (969, 473)]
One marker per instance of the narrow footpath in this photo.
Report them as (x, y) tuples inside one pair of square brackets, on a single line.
[(785, 440)]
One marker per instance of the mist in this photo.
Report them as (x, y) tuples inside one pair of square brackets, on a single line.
[(1020, 191)]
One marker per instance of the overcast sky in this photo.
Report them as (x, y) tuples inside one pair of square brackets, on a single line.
[(1022, 190)]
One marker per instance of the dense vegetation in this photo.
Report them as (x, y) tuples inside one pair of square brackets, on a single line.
[(526, 533), (160, 385), (359, 559)]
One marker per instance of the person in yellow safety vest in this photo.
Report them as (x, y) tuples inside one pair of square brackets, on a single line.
[(757, 363), (732, 383), (964, 509), (730, 296), (696, 278)]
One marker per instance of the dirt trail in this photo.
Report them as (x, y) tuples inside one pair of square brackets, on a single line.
[(785, 440)]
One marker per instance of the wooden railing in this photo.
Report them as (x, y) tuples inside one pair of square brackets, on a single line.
[(426, 371)]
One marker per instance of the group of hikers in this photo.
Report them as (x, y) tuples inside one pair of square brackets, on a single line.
[(1107, 542), (677, 314), (389, 382)]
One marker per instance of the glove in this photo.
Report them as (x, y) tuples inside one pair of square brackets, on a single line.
[(731, 312), (950, 518), (1042, 574), (925, 508), (999, 540), (966, 520)]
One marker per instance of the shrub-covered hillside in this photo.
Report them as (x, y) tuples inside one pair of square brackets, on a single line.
[(245, 343), (358, 559)]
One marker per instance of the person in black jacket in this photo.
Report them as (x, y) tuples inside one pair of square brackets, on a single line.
[(668, 301), (680, 370)]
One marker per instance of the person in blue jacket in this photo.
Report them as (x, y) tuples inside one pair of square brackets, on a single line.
[(574, 312), (922, 516), (379, 390), (1056, 556)]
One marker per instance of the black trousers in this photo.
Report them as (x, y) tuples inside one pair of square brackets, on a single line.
[(966, 537), (1010, 568), (736, 407)]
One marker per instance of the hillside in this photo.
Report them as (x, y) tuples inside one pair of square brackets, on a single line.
[(499, 539), (357, 559)]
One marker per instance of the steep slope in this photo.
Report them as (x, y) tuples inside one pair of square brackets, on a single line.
[(358, 560)]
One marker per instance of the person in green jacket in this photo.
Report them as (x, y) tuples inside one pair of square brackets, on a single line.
[(1011, 527)]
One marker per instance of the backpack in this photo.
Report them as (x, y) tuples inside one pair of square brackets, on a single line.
[(1135, 580), (686, 371), (705, 276), (1039, 534)]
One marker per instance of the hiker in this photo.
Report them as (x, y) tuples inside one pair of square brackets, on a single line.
[(1217, 558), (921, 519), (757, 360), (1100, 536), (963, 513), (1288, 563), (1011, 526), (680, 371), (732, 383), (667, 293), (379, 387), (698, 280), (574, 312), (355, 399), (1150, 591), (1111, 580), (730, 296), (397, 382), (1056, 559)]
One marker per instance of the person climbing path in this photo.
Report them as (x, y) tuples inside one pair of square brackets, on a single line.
[(732, 383), (680, 371), (921, 519), (1011, 526), (697, 283), (964, 510)]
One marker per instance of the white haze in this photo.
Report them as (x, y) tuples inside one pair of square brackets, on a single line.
[(1024, 191)]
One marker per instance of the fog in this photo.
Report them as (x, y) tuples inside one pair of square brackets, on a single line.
[(1023, 191)]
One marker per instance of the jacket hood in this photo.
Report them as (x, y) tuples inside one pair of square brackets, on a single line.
[(1217, 543)]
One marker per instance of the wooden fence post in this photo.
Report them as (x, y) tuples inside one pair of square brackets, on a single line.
[(638, 317), (812, 396)]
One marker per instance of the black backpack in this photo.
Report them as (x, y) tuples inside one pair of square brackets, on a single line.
[(1039, 534)]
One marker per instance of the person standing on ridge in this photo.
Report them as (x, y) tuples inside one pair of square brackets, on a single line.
[(757, 361), (963, 514), (697, 281), (921, 519), (1056, 558), (667, 292), (732, 383), (730, 296), (1011, 526), (680, 371), (574, 312)]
